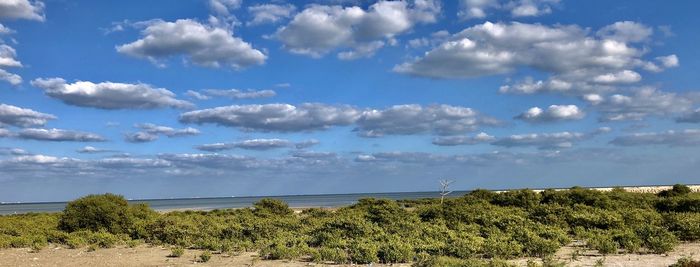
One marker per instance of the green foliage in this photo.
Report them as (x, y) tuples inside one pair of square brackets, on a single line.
[(677, 190), (478, 229), (270, 206), (363, 252), (176, 252), (205, 256), (686, 262), (107, 212)]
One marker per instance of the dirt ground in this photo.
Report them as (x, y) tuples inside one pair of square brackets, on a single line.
[(156, 256)]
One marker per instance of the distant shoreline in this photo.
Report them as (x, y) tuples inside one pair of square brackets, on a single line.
[(631, 188), (295, 201)]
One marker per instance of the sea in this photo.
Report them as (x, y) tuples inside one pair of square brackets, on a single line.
[(211, 203)]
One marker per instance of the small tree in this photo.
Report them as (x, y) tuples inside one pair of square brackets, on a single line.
[(444, 189)]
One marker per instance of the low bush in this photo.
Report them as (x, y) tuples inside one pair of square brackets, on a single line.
[(205, 256), (176, 252)]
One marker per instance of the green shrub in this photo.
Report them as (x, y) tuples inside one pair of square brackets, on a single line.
[(677, 190), (363, 252), (106, 212), (657, 239), (466, 246), (686, 262), (603, 243), (335, 255), (205, 256), (500, 245), (685, 225), (75, 241), (269, 206), (395, 251), (176, 252)]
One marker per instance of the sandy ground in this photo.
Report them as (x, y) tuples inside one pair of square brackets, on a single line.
[(157, 256)]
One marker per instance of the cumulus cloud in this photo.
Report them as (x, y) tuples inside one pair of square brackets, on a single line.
[(22, 117), (275, 117), (8, 58), (626, 31), (395, 120), (575, 60), (691, 117), (12, 151), (479, 9), (270, 13), (688, 137), (58, 135), (622, 77), (92, 150), (547, 141), (224, 7), (140, 137), (167, 131), (252, 144), (231, 93), (320, 29), (417, 119), (22, 9), (641, 103), (552, 114), (202, 44), (479, 138), (5, 133), (109, 95), (150, 132)]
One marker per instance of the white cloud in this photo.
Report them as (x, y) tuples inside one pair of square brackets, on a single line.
[(92, 150), (548, 141), (275, 117), (140, 137), (688, 137), (416, 119), (109, 95), (320, 29), (626, 31), (224, 7), (670, 61), (11, 78), (622, 77), (574, 61), (59, 135), (552, 113), (203, 45), (641, 103), (493, 48), (479, 138), (8, 58), (150, 132), (252, 144), (22, 9), (235, 93), (22, 117), (270, 13), (479, 9)]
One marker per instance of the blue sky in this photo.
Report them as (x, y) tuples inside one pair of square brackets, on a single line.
[(230, 97)]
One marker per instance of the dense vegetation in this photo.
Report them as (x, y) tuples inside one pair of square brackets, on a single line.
[(480, 228)]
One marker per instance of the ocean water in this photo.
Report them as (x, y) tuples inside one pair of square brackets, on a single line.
[(296, 201)]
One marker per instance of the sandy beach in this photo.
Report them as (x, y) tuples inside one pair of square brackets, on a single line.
[(145, 255)]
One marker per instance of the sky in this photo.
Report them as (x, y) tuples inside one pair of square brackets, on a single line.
[(200, 98)]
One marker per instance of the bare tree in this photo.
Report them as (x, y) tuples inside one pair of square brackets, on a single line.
[(445, 189)]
